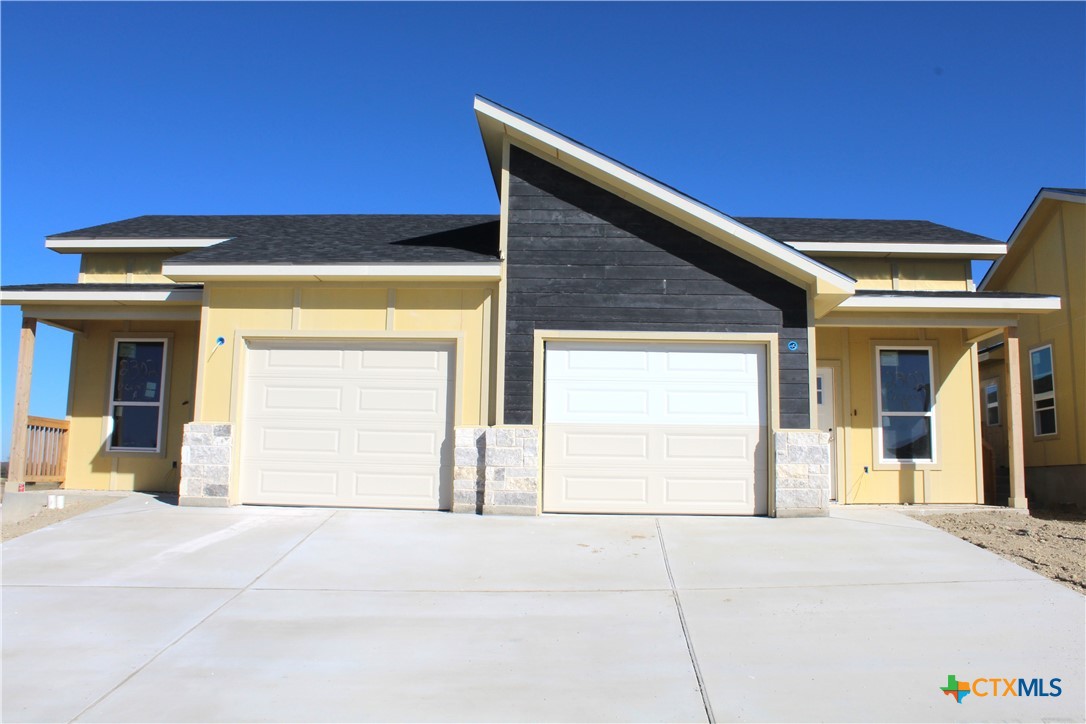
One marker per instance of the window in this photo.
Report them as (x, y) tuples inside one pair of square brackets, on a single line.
[(1044, 391), (135, 401), (905, 405), (991, 403)]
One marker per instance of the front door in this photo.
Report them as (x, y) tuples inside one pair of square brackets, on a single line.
[(824, 390)]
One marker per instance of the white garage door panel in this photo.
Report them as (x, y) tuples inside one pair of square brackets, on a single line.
[(289, 441), (585, 447), (295, 400), (601, 489), (394, 483), (655, 428), (736, 445), (347, 423), (304, 359), (710, 489), (401, 401), (398, 445), (289, 483), (397, 360)]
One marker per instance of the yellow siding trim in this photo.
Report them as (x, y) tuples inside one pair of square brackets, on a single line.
[(978, 444)]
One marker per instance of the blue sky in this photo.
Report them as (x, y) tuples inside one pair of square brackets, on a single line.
[(957, 113)]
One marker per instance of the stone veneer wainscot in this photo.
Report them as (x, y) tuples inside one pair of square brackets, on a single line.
[(802, 466), (496, 470), (206, 452)]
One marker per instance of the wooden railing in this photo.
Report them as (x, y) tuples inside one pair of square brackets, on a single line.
[(46, 449)]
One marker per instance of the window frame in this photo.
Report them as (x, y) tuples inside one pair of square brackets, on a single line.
[(1050, 395), (988, 406), (930, 414), (112, 403)]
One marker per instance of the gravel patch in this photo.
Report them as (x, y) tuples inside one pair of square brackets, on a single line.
[(73, 506), (1051, 544)]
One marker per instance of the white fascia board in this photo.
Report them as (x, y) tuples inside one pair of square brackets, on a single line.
[(862, 248), (1042, 196), (322, 272), (626, 176), (905, 303), (74, 246), (177, 296)]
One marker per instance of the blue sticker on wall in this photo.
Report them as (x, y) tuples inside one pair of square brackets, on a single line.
[(793, 345)]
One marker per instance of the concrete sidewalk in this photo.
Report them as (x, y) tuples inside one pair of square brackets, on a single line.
[(142, 611)]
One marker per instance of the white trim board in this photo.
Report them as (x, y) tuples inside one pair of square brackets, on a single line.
[(950, 304), (900, 249), (91, 244), (497, 119), (326, 272), (165, 296)]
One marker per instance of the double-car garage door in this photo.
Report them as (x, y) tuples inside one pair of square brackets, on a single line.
[(628, 427)]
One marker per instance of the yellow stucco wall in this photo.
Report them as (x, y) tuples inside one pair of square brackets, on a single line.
[(1056, 264), (359, 308), (910, 274), (121, 268), (952, 478), (90, 466)]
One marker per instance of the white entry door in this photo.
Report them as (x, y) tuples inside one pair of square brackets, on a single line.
[(365, 424), (655, 428), (825, 396)]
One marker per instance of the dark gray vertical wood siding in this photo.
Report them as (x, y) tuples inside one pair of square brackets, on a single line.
[(583, 258)]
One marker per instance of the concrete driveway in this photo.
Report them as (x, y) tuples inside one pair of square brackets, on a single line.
[(142, 611)]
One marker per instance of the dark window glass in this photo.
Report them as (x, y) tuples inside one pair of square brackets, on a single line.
[(906, 380), (991, 401), (135, 426), (1045, 421), (906, 438), (138, 376)]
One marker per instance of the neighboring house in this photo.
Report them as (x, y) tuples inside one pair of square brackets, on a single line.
[(605, 344), (1046, 254)]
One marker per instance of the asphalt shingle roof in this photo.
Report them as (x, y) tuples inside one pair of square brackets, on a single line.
[(316, 239), (858, 230), (430, 238)]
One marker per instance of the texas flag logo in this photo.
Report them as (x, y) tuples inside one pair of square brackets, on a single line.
[(958, 689)]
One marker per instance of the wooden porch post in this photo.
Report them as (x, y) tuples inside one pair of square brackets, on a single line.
[(1015, 449), (17, 461)]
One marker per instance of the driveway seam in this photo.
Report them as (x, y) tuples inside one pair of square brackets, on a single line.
[(196, 625), (686, 632)]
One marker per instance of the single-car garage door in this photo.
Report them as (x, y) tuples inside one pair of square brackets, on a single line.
[(655, 428), (347, 424)]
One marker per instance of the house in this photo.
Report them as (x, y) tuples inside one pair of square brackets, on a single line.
[(605, 344), (1046, 254)]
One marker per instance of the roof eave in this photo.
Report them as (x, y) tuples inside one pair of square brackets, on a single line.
[(994, 272), (478, 271), (142, 298), (69, 245), (909, 304), (897, 249)]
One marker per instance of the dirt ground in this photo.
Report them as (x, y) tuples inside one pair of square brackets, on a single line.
[(1054, 545), (73, 506)]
